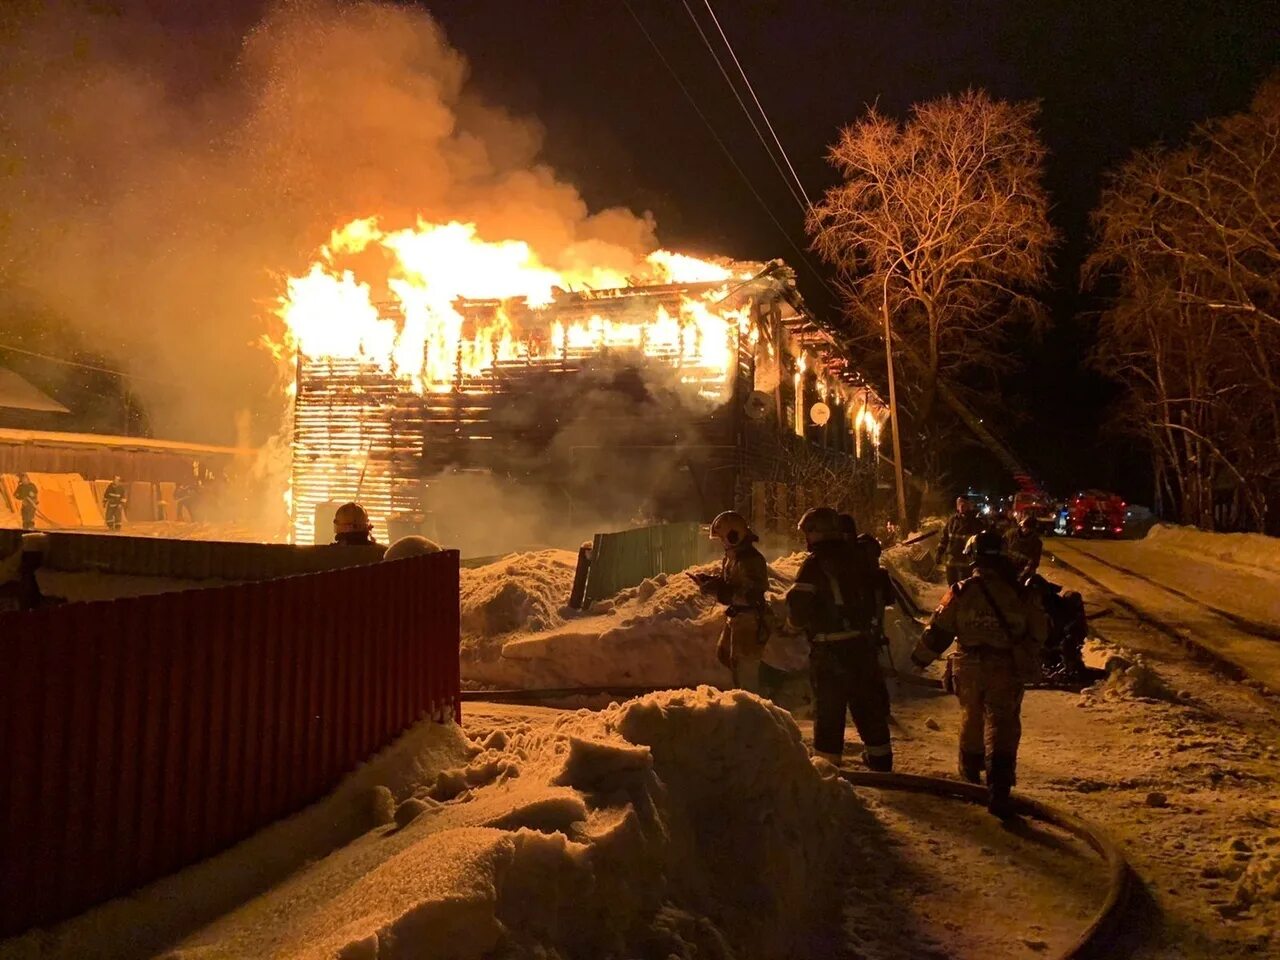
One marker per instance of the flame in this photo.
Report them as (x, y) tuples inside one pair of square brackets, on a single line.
[(387, 304), (404, 319)]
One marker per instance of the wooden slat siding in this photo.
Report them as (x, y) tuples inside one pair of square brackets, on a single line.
[(144, 734)]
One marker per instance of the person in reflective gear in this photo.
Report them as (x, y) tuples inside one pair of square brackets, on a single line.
[(740, 585), (834, 602), (113, 500), (28, 497), (1024, 547), (352, 526), (962, 525), (998, 629)]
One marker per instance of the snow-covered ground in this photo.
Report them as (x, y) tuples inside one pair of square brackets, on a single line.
[(685, 824), (519, 632), (1220, 591), (693, 823)]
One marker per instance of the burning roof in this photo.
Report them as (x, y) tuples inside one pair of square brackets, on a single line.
[(404, 338)]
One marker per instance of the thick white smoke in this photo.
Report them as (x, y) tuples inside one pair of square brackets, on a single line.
[(156, 214)]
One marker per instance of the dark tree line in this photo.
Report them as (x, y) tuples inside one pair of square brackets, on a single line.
[(941, 224)]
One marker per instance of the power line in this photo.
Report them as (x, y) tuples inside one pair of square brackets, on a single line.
[(759, 106), (87, 366), (706, 41), (727, 152)]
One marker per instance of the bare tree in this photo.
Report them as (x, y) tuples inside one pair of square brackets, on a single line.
[(1189, 242), (940, 227)]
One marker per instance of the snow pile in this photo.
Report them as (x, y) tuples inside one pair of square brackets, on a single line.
[(685, 824), (525, 591), (1248, 549), (662, 633), (1130, 680), (1258, 863)]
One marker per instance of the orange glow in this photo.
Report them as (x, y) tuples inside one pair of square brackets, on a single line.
[(403, 316)]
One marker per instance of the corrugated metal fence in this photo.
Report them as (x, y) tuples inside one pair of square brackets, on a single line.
[(624, 559), (196, 559), (142, 735)]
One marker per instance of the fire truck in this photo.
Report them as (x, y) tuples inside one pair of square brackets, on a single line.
[(1095, 513)]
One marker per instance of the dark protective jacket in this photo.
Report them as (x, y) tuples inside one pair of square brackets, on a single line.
[(955, 534), (987, 610), (1024, 550), (743, 579), (835, 595), (27, 494), (115, 495)]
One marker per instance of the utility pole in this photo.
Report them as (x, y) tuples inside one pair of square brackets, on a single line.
[(893, 413)]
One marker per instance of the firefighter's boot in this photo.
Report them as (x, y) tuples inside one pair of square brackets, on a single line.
[(1000, 779), (971, 765), (879, 758)]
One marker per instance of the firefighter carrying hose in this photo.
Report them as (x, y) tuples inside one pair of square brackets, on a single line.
[(352, 526), (28, 497), (740, 585), (999, 629), (114, 499), (962, 525), (834, 601)]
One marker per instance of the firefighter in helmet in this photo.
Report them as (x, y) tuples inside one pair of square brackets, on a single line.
[(740, 585), (871, 550), (114, 499), (834, 601), (352, 526), (28, 497), (962, 525), (1024, 547), (998, 629)]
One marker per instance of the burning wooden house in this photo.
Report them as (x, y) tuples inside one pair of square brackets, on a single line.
[(667, 400)]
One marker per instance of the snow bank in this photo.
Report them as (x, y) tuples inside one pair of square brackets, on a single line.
[(1247, 549), (157, 915), (685, 824), (661, 633), (523, 591)]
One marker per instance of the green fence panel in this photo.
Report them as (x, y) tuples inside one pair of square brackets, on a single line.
[(628, 557)]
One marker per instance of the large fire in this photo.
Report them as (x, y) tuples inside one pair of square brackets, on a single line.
[(404, 317), (382, 314)]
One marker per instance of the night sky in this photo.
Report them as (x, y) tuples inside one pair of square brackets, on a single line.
[(1112, 76)]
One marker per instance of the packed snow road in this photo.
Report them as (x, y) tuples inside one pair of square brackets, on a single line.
[(1227, 607)]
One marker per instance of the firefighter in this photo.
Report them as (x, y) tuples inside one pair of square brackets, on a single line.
[(999, 629), (1024, 547), (28, 497), (962, 525), (114, 499), (870, 548), (352, 526), (740, 585), (834, 602)]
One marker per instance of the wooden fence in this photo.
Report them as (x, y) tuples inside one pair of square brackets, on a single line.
[(141, 735)]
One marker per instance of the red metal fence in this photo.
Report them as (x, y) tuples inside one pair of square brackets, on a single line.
[(141, 735)]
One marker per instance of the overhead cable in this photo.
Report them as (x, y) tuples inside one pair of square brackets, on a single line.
[(733, 87), (759, 106)]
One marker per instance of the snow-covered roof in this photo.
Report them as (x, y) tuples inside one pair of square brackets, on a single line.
[(18, 394), (58, 438)]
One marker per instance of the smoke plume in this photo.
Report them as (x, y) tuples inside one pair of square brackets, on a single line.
[(160, 179)]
